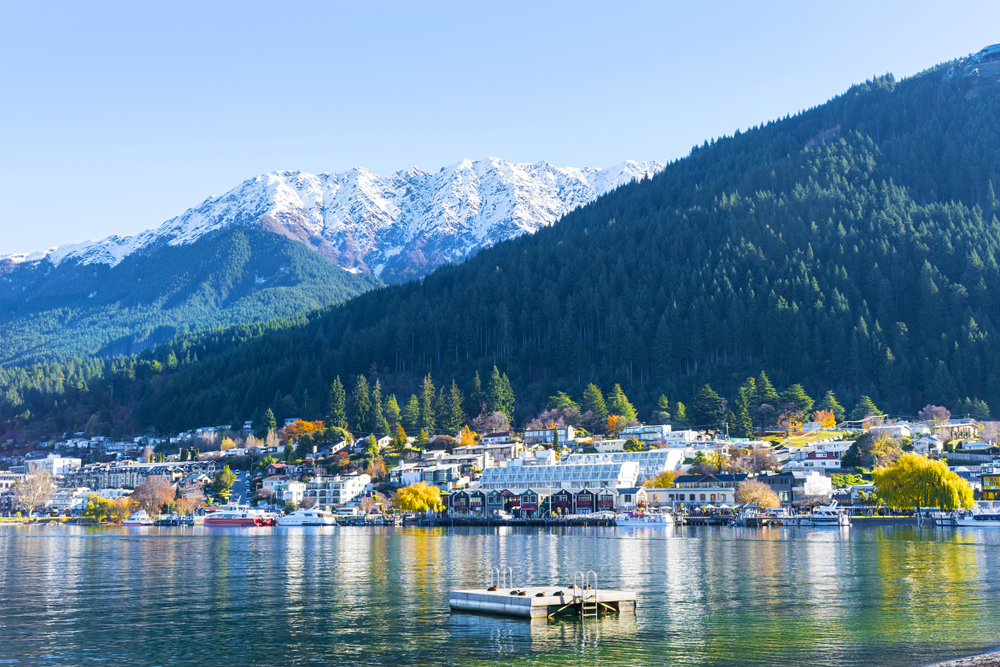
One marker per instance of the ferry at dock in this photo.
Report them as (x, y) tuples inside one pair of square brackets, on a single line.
[(308, 517), (238, 515), (644, 520)]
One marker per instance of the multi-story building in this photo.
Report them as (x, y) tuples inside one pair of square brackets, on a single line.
[(499, 452), (564, 476), (56, 465), (700, 490), (69, 500), (651, 463), (794, 485), (534, 436), (990, 477), (129, 474), (337, 490)]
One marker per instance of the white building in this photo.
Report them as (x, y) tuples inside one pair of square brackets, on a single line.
[(679, 438), (56, 465), (533, 436), (338, 490), (501, 438), (651, 463), (564, 476), (818, 459), (66, 501), (499, 452), (653, 433)]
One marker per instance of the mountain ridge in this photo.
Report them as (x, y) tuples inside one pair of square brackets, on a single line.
[(394, 227)]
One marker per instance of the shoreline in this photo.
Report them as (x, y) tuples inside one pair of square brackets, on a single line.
[(988, 659)]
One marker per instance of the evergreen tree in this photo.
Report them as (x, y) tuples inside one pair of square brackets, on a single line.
[(507, 398), (268, 424), (741, 425), (593, 401), (336, 412), (561, 401), (399, 437), (454, 417), (864, 408), (707, 409), (830, 403), (379, 425), (391, 412), (361, 406), (477, 398), (618, 404), (421, 441), (680, 415), (764, 392), (493, 398), (661, 413), (427, 397), (411, 414), (796, 396)]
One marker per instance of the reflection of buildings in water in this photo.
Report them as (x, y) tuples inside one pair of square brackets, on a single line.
[(509, 635), (822, 573)]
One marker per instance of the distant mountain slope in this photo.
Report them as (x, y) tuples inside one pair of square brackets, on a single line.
[(103, 297), (854, 247), (395, 227), (234, 276)]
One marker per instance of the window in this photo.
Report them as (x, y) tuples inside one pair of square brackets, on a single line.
[(713, 496), (703, 496), (692, 496)]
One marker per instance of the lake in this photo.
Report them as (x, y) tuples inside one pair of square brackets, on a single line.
[(890, 596)]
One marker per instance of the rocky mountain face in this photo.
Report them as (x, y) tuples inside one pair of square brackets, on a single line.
[(393, 227)]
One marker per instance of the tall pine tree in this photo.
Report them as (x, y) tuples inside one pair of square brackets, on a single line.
[(361, 406), (427, 398), (336, 412), (379, 426), (618, 404)]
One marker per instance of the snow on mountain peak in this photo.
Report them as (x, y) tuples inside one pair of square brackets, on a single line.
[(406, 223)]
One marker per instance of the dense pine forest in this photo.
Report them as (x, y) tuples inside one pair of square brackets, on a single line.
[(851, 248), (236, 276)]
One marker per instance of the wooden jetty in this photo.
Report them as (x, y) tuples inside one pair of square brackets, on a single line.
[(582, 600)]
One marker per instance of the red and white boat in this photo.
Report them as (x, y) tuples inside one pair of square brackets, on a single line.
[(238, 515)]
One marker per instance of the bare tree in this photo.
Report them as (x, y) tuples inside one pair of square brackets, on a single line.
[(758, 459), (934, 413), (490, 423), (153, 494), (147, 453), (757, 493), (368, 503), (307, 503), (34, 491)]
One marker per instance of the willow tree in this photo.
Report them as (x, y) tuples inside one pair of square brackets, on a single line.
[(914, 481)]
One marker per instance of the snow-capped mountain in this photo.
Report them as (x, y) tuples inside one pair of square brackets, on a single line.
[(394, 227)]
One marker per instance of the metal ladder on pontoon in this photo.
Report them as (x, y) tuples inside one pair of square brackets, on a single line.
[(586, 600)]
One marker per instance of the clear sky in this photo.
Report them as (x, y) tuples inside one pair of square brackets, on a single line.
[(116, 116)]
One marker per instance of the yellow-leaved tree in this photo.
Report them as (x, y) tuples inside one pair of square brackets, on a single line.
[(418, 497), (914, 481), (825, 418), (664, 480), (755, 492)]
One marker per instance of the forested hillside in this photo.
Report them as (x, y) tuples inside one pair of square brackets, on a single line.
[(236, 276), (852, 248)]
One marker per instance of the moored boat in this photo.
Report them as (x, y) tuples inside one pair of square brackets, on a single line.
[(829, 515), (140, 518), (308, 517), (644, 520), (238, 515)]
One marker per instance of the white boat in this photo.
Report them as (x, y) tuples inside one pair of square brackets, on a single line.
[(238, 515), (984, 514), (308, 517), (829, 515), (644, 520), (140, 518)]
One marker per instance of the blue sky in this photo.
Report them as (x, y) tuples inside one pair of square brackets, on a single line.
[(118, 116)]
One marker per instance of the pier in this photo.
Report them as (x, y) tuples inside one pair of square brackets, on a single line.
[(583, 598)]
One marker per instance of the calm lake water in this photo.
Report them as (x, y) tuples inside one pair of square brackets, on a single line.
[(379, 596)]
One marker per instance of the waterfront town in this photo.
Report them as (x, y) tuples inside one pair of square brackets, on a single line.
[(550, 472)]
